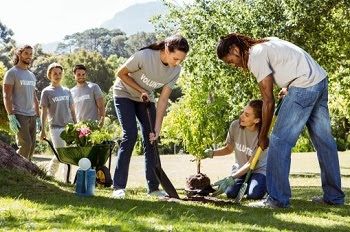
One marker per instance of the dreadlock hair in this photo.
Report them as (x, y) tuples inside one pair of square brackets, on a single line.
[(18, 52), (243, 42), (174, 42)]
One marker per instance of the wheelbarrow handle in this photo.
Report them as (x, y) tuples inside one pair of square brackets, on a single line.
[(53, 149)]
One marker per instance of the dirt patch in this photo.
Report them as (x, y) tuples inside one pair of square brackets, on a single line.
[(199, 200), (9, 159)]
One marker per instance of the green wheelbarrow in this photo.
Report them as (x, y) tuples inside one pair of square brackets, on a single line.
[(97, 154)]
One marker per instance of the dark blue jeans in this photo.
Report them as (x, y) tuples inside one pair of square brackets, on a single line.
[(128, 111), (256, 187)]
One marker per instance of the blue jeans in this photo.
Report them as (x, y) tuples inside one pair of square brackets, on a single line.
[(303, 106), (128, 111), (256, 187)]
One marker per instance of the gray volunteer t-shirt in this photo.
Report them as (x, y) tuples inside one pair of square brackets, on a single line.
[(288, 63), (23, 82), (149, 72), (58, 101), (245, 143), (85, 101)]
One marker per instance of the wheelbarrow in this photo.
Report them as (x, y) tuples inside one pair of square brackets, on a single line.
[(97, 154)]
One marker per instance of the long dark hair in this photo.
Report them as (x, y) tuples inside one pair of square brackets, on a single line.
[(18, 52), (257, 105), (174, 42), (243, 42)]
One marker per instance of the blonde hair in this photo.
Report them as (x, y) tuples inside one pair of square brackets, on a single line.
[(52, 66)]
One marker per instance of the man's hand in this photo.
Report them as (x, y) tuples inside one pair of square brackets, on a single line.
[(209, 153), (223, 185), (14, 123)]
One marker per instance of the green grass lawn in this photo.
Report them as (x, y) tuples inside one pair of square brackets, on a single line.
[(28, 203)]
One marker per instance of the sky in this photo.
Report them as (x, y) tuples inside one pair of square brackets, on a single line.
[(46, 21)]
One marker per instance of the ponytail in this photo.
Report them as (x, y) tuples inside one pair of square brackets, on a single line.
[(174, 42)]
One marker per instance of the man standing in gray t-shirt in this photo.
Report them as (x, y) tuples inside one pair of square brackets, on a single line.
[(88, 98), (21, 102)]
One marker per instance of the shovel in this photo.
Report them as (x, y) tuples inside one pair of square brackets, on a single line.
[(160, 174)]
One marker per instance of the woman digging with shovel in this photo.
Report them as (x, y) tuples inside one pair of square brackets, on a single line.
[(153, 67)]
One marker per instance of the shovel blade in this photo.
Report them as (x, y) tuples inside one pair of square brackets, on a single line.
[(166, 183)]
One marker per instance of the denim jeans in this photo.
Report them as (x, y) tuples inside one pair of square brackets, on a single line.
[(256, 187), (128, 111), (303, 106)]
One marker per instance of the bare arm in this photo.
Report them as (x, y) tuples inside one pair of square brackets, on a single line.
[(244, 169), (161, 108), (123, 74), (266, 89), (36, 104), (7, 95), (72, 110), (228, 149), (101, 110), (43, 118)]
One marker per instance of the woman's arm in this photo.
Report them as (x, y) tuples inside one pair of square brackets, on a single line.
[(123, 74), (161, 108), (42, 134), (244, 169), (228, 149), (72, 110)]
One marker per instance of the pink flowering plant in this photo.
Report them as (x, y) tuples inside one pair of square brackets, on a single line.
[(85, 133)]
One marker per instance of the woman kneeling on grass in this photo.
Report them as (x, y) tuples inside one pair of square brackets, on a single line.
[(242, 137)]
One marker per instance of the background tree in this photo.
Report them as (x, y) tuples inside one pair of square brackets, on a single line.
[(6, 44), (98, 70), (3, 113), (96, 39), (137, 41), (311, 24)]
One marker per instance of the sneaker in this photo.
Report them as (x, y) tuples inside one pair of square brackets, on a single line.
[(320, 200), (267, 203), (119, 193), (158, 193)]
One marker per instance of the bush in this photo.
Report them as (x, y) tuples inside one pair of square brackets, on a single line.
[(304, 143)]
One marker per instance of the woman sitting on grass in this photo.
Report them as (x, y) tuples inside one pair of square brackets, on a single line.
[(242, 137)]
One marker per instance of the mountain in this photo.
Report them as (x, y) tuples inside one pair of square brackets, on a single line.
[(136, 18), (50, 47)]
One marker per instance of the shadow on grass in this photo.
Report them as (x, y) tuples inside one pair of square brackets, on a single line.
[(123, 214)]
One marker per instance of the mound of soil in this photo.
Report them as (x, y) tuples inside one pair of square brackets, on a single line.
[(198, 185), (198, 181), (9, 159)]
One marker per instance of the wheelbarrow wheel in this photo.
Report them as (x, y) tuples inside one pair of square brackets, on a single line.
[(103, 177)]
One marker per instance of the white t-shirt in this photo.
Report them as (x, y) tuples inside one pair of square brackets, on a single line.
[(245, 144), (149, 72), (289, 64)]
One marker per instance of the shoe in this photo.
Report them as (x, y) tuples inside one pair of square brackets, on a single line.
[(320, 200), (267, 203), (158, 193), (119, 193)]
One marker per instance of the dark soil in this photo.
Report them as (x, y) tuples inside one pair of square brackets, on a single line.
[(199, 200), (198, 185), (9, 159)]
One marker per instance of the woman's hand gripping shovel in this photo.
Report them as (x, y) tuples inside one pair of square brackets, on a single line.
[(160, 174), (255, 160)]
